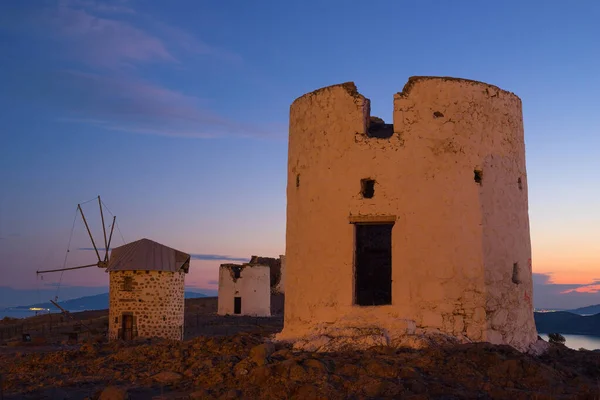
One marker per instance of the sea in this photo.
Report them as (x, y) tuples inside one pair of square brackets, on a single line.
[(23, 313), (579, 341)]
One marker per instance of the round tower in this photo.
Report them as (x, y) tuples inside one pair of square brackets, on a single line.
[(420, 225)]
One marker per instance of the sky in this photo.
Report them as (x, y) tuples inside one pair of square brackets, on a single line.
[(176, 114)]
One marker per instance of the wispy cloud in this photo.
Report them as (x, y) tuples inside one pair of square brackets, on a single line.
[(193, 256), (593, 287), (112, 34), (128, 104), (102, 41), (218, 257), (110, 46), (103, 6)]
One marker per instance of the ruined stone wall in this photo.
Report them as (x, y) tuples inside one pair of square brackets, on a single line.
[(253, 287), (154, 298), (281, 284), (451, 176)]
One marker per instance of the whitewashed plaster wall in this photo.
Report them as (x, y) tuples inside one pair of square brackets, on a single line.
[(455, 242), (253, 286)]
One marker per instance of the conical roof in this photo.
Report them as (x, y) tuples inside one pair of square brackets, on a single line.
[(147, 255)]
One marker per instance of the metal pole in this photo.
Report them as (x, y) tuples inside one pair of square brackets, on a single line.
[(103, 229), (89, 232)]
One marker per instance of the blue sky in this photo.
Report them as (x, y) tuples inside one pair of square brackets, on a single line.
[(176, 114)]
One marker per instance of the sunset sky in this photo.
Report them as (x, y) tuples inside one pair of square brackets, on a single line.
[(176, 114)]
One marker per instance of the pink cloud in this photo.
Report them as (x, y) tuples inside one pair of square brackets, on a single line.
[(591, 288)]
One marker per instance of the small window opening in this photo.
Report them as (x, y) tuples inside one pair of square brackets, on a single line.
[(478, 176), (367, 188), (520, 183), (438, 114), (373, 264), (297, 180), (127, 284), (515, 274), (237, 272), (379, 129), (237, 305)]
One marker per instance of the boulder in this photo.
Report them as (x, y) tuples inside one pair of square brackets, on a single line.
[(113, 393)]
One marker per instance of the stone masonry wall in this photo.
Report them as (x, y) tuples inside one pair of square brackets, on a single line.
[(451, 176), (154, 298)]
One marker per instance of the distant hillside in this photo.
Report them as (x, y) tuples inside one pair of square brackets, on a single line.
[(589, 310), (97, 302), (567, 323)]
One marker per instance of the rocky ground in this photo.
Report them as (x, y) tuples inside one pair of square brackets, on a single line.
[(243, 366), (231, 358)]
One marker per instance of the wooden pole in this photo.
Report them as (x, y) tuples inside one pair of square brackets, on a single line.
[(89, 232), (66, 269)]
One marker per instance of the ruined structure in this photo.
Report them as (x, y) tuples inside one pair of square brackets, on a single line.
[(409, 229), (246, 289), (146, 291)]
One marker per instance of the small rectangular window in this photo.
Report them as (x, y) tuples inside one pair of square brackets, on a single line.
[(127, 284)]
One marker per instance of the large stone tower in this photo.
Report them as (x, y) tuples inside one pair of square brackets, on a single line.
[(420, 226)]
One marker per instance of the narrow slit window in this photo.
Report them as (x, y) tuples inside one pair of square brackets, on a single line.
[(520, 183), (515, 274)]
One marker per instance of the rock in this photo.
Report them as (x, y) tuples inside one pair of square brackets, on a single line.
[(260, 374), (233, 394), (113, 393), (315, 364), (297, 373), (538, 348), (308, 392), (199, 395), (261, 353), (380, 369), (167, 377)]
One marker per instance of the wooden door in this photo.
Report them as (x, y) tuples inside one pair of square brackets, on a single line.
[(237, 305), (373, 264), (127, 327)]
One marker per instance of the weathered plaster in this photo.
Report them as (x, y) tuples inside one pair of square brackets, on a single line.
[(253, 286), (454, 241), (156, 301)]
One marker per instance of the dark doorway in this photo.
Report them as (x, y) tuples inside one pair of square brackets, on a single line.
[(237, 305), (127, 330), (373, 264)]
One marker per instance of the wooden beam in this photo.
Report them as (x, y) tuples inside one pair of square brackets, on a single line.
[(66, 269)]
